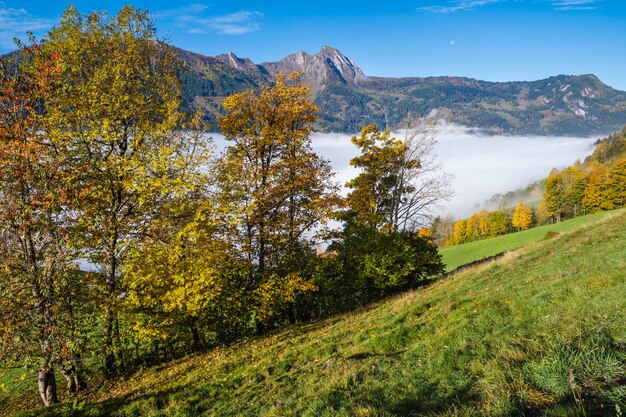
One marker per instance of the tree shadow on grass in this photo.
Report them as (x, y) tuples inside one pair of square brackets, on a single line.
[(367, 355), (429, 399), (195, 401)]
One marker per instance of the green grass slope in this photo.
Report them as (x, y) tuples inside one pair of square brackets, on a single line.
[(459, 255), (538, 332)]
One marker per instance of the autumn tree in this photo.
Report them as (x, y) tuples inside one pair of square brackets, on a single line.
[(616, 184), (542, 214), (522, 217), (595, 198), (564, 192), (498, 223), (473, 226), (575, 182), (117, 110), (459, 234), (275, 187), (481, 225), (185, 282), (554, 197), (35, 252), (398, 185), (425, 232)]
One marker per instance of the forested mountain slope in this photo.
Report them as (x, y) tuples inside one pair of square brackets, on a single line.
[(577, 105), (348, 99)]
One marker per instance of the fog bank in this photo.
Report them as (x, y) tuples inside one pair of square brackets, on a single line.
[(481, 165)]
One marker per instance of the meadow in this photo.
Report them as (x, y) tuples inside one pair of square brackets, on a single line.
[(538, 331), (459, 255)]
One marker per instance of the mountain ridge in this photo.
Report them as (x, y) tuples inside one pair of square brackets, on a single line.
[(561, 105), (576, 105)]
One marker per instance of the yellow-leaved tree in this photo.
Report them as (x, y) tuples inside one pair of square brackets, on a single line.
[(616, 183), (185, 281), (276, 189), (564, 192), (132, 150), (459, 234), (522, 217)]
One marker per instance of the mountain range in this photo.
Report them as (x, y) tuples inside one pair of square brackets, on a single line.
[(563, 105), (579, 105)]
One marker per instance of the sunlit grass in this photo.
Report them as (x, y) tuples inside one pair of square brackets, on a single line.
[(458, 255), (539, 331)]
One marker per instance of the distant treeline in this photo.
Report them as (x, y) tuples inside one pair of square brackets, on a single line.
[(597, 184)]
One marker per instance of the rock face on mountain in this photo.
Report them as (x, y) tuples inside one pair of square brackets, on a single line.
[(579, 105), (328, 66), (348, 99)]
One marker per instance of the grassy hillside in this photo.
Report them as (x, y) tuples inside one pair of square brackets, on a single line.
[(540, 331), (458, 255)]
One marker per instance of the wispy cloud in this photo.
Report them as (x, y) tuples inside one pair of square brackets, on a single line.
[(457, 6), (452, 6), (196, 19), (575, 4), (237, 23), (15, 22)]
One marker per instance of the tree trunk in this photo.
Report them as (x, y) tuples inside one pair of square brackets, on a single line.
[(80, 382), (109, 313), (261, 248), (116, 338), (196, 338), (109, 354), (73, 377), (291, 313), (72, 386), (48, 387)]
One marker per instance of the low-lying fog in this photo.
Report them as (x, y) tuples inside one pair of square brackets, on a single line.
[(481, 165)]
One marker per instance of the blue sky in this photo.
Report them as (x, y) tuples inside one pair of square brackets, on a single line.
[(495, 40)]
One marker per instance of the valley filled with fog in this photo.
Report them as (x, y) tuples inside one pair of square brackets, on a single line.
[(481, 165)]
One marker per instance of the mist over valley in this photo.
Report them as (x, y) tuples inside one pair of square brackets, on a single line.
[(480, 165)]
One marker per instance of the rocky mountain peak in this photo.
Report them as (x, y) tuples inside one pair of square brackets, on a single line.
[(233, 61), (347, 69), (578, 105), (328, 66)]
